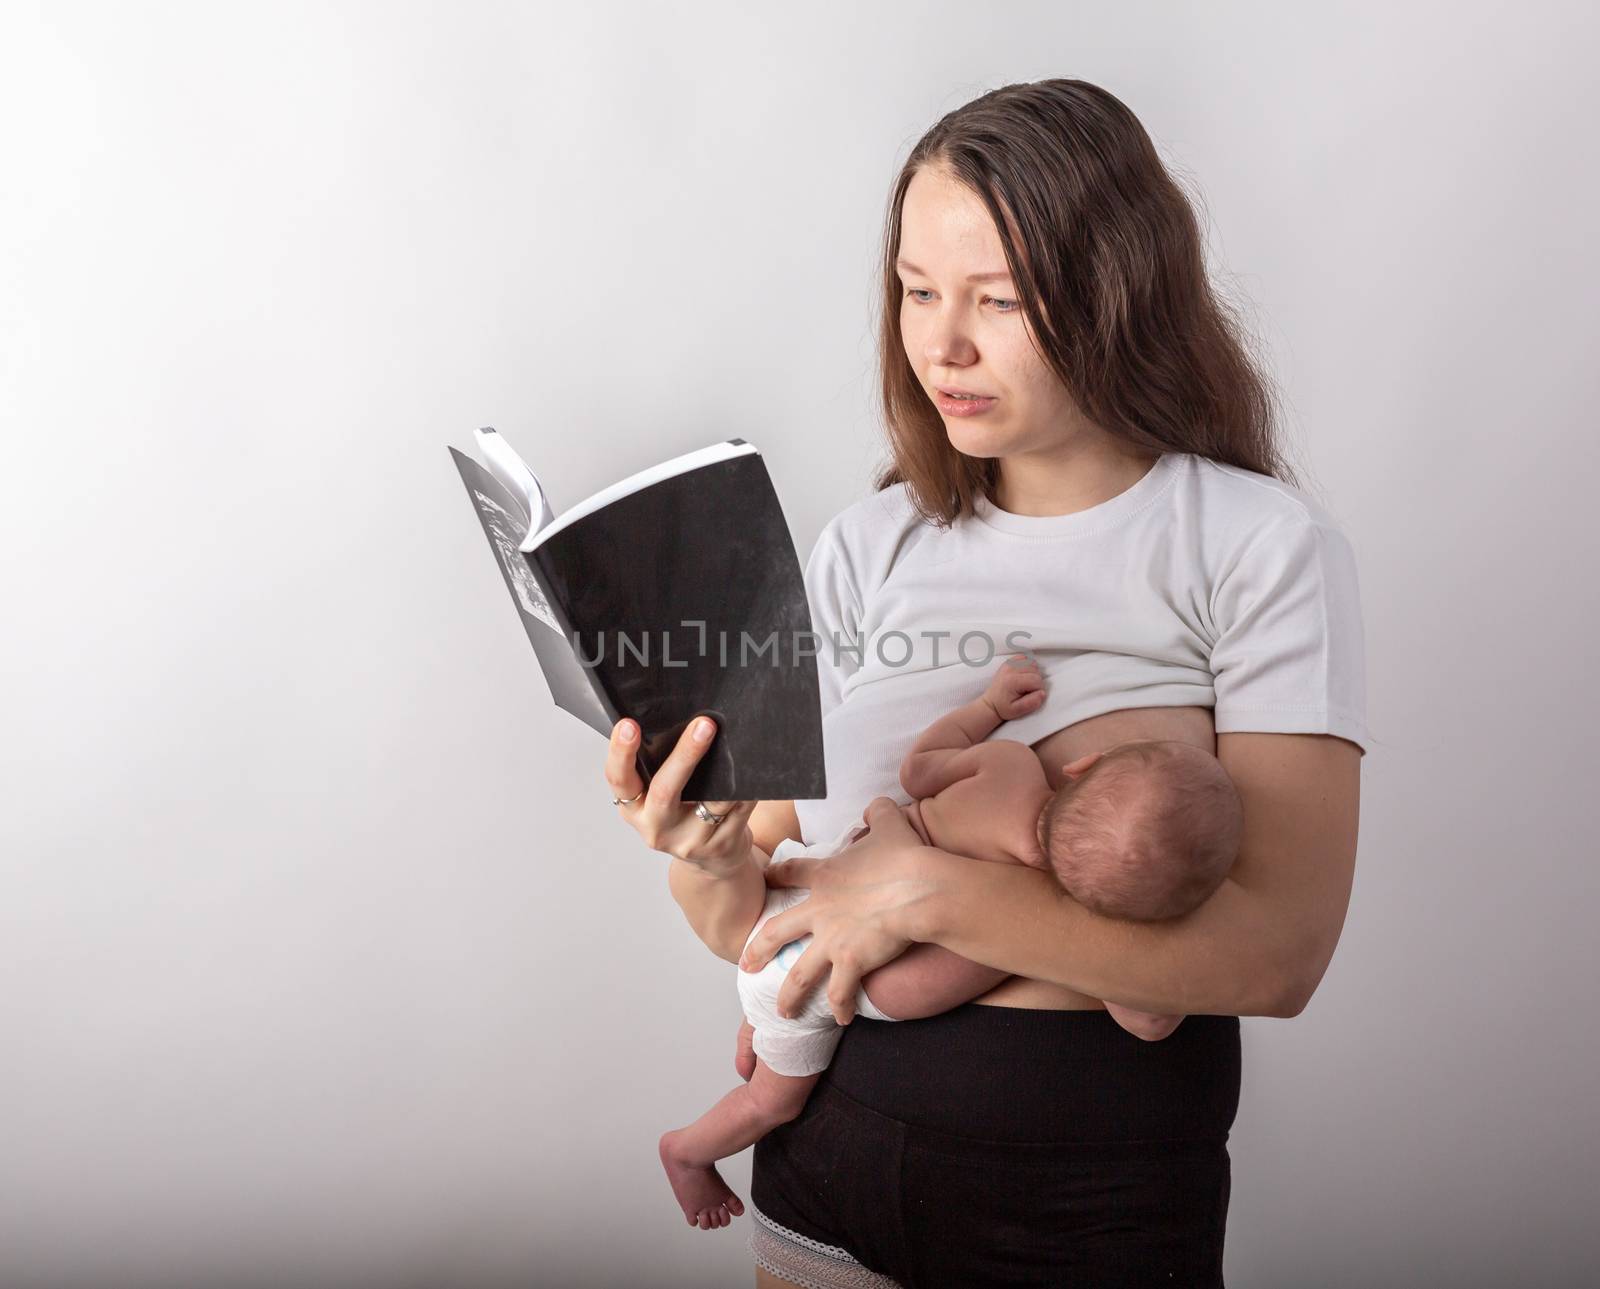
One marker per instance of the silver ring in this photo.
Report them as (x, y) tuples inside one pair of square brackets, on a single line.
[(619, 801), (712, 819)]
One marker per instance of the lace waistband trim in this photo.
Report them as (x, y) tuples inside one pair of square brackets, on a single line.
[(807, 1262)]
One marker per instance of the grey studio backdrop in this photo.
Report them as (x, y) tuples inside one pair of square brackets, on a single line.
[(323, 958)]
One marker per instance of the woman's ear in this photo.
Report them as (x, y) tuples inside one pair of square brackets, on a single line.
[(1074, 768)]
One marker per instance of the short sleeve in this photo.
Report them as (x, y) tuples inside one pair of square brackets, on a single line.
[(831, 591), (1290, 653)]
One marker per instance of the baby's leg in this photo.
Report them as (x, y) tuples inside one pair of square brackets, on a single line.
[(928, 979), (740, 1119), (1145, 1025)]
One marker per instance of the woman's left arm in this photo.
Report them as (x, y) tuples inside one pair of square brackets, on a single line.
[(1258, 947)]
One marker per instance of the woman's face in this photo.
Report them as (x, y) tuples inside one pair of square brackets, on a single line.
[(972, 335)]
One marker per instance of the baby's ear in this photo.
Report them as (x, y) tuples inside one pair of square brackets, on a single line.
[(1075, 768)]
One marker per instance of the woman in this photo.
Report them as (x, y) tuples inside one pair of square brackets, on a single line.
[(1113, 493)]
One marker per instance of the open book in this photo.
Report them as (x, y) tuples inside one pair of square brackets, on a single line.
[(671, 594)]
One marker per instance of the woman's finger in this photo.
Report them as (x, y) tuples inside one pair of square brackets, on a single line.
[(727, 809), (798, 871), (659, 815), (842, 985), (666, 784), (887, 817), (776, 932), (733, 815), (622, 767), (809, 968)]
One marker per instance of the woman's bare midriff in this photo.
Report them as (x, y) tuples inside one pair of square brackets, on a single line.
[(1186, 724)]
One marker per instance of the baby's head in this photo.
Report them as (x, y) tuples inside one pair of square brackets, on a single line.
[(1147, 831)]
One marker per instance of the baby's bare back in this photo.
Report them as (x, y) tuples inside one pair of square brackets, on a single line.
[(992, 814), (1096, 734)]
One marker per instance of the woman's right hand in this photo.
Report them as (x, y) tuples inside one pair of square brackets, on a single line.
[(668, 824), (861, 910)]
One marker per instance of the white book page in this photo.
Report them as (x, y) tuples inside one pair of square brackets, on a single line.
[(512, 471), (705, 456)]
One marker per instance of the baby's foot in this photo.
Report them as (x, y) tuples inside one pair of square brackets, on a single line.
[(702, 1194), (744, 1051)]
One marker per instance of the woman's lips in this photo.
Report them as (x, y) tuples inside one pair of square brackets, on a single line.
[(962, 406)]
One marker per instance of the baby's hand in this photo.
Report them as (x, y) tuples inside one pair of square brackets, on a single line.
[(1017, 688)]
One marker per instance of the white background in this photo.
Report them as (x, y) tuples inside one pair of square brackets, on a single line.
[(323, 957)]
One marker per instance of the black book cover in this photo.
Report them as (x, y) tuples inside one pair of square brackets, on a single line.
[(675, 593)]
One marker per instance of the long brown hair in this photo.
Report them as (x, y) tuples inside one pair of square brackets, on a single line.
[(1109, 263)]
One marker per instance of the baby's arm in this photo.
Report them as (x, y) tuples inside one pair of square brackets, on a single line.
[(943, 754), (927, 979)]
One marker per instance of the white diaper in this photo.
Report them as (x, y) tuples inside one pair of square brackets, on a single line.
[(802, 1044)]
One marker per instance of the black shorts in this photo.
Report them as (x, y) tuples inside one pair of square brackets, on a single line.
[(1011, 1146)]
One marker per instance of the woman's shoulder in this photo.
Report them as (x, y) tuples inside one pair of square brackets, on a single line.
[(881, 525), (1258, 537), (1283, 610), (1246, 503), (876, 513)]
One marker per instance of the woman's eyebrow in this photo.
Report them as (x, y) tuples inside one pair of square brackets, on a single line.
[(971, 277)]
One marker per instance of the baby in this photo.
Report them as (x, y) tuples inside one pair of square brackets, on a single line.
[(1143, 831)]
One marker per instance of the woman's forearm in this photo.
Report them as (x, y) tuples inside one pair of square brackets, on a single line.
[(721, 907), (1225, 958)]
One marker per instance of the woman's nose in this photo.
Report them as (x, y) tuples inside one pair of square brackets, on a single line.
[(949, 347), (947, 344)]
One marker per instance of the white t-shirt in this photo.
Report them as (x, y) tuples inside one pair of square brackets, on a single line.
[(1202, 585)]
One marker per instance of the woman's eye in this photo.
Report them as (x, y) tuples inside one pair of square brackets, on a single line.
[(917, 292)]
